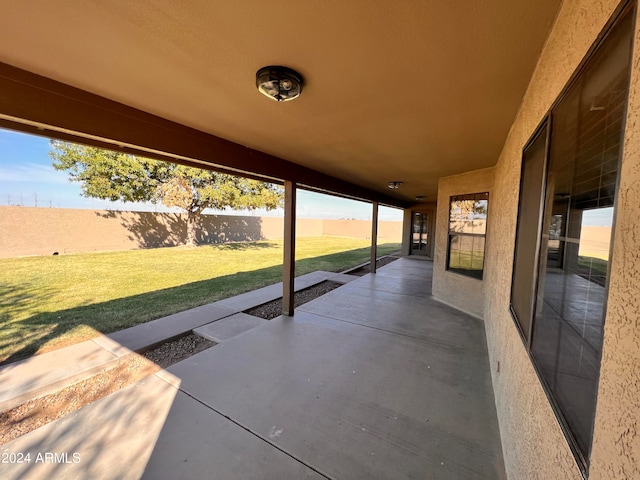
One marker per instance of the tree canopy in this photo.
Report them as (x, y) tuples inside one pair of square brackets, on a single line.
[(112, 175)]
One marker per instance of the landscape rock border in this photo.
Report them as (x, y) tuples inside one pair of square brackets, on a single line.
[(40, 411), (273, 309)]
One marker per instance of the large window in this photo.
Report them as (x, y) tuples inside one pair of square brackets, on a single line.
[(566, 210), (467, 231)]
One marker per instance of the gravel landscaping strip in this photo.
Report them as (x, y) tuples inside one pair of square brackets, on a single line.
[(273, 309), (381, 262), (40, 411), (172, 352)]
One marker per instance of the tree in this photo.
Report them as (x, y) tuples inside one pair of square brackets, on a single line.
[(111, 175)]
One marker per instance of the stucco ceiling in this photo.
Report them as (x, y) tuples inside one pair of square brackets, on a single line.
[(408, 90)]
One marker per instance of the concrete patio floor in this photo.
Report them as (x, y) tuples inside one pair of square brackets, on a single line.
[(372, 380)]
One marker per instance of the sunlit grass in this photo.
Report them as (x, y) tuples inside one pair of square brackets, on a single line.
[(466, 260), (49, 302), (593, 269)]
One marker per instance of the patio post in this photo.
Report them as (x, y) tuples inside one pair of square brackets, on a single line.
[(289, 261), (374, 238)]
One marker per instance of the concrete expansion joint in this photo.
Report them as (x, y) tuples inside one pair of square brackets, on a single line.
[(258, 436)]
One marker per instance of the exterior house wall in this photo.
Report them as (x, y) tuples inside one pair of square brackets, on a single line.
[(533, 443), (616, 439), (460, 291)]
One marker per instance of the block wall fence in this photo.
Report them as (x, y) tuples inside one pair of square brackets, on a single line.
[(43, 231)]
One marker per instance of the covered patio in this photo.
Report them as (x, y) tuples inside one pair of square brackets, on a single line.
[(414, 105), (375, 379)]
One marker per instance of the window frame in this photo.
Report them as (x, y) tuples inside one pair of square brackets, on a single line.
[(543, 129), (451, 234), (628, 7)]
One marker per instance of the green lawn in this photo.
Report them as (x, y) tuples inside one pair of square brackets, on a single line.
[(469, 262), (593, 269), (50, 302), (594, 265)]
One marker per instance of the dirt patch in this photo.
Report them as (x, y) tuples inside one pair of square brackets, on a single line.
[(273, 309), (381, 262), (40, 411)]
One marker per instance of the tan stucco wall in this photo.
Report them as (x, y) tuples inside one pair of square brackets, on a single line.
[(42, 231), (464, 293), (533, 444), (616, 440)]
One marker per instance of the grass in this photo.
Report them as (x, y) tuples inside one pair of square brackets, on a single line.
[(466, 260), (593, 269), (54, 301), (594, 265)]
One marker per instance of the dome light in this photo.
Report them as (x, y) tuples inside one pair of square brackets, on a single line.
[(279, 83)]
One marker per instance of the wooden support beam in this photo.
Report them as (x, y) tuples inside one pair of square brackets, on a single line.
[(374, 238), (289, 262)]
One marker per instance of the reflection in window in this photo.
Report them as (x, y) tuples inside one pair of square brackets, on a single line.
[(467, 230), (561, 259), (420, 234), (595, 238)]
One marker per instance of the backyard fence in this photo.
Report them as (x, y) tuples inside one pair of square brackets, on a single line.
[(44, 231)]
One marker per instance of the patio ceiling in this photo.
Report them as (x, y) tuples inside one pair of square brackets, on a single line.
[(407, 90)]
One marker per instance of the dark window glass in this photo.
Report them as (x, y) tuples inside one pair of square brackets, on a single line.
[(420, 234), (529, 219), (561, 260), (467, 231)]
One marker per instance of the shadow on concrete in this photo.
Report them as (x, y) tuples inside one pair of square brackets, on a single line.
[(155, 230), (114, 315), (90, 442)]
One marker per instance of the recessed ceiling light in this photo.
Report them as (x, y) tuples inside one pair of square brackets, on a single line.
[(420, 197), (279, 83), (394, 185)]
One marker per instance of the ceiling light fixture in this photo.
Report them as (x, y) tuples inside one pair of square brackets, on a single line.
[(279, 83), (394, 185), (420, 198)]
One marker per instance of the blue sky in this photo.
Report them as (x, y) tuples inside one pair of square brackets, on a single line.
[(28, 179)]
